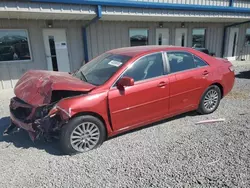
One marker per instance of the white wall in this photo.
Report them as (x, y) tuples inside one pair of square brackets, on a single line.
[(11, 71), (243, 51), (242, 3), (107, 35), (102, 36)]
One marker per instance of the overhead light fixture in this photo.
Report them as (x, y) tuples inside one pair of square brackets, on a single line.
[(161, 25), (182, 24), (49, 24)]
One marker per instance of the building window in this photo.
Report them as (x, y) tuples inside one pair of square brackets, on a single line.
[(248, 37), (199, 38), (138, 37), (14, 45)]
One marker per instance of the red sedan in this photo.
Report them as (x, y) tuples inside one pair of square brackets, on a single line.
[(117, 91)]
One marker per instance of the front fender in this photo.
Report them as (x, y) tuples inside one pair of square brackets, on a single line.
[(95, 103)]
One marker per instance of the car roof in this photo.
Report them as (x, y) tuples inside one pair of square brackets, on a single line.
[(138, 50)]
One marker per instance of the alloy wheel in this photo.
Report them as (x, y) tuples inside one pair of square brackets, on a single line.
[(85, 137), (211, 99)]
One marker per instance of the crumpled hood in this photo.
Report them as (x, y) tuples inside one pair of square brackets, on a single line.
[(35, 87)]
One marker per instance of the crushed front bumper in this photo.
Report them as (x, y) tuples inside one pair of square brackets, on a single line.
[(22, 116), (26, 126)]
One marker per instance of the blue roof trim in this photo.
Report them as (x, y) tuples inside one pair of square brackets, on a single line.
[(140, 4)]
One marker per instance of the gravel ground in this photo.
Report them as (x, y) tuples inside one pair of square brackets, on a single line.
[(173, 153)]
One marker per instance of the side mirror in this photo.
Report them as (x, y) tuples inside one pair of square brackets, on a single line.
[(125, 81)]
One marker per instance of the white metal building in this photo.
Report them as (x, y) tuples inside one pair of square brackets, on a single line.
[(62, 34)]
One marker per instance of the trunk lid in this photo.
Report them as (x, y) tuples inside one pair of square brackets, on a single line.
[(35, 87), (222, 60)]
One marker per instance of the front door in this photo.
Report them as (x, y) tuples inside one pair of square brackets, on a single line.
[(146, 100), (162, 36), (232, 45), (181, 37), (56, 50)]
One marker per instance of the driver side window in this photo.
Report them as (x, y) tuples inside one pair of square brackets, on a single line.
[(147, 67)]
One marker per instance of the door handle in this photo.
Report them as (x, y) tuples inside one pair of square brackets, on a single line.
[(162, 84), (205, 73)]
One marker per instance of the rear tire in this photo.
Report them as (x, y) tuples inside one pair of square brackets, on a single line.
[(82, 134), (210, 100)]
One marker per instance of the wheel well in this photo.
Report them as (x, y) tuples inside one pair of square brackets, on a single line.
[(95, 115), (221, 88)]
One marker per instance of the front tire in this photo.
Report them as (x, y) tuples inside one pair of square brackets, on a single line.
[(210, 100), (82, 134)]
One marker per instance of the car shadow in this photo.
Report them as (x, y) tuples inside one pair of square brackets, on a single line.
[(244, 75), (192, 113), (21, 139)]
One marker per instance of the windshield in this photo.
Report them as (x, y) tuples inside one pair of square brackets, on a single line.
[(101, 68)]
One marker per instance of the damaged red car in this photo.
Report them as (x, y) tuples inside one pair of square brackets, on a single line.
[(117, 91)]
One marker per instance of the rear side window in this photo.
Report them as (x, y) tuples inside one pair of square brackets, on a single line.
[(180, 61), (199, 62)]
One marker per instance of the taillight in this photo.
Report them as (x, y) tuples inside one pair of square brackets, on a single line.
[(231, 68)]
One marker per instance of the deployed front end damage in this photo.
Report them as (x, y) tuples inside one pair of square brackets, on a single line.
[(35, 106), (43, 120)]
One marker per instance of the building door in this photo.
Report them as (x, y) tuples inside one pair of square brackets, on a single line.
[(181, 37), (162, 36), (232, 43), (56, 50)]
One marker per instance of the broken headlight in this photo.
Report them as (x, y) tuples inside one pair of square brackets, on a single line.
[(43, 111)]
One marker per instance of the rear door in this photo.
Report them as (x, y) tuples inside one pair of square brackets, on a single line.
[(188, 79), (147, 99)]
